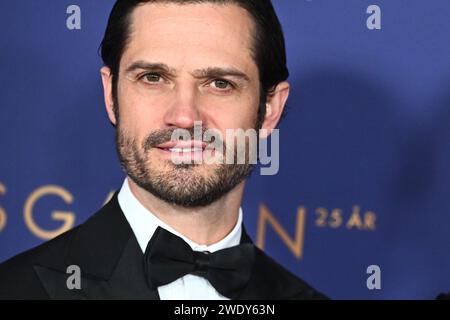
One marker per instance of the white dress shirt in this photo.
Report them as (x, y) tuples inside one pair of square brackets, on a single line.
[(144, 223)]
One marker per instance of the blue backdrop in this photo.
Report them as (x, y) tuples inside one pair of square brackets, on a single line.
[(364, 175)]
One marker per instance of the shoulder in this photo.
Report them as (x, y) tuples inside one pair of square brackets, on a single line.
[(283, 284), (95, 245), (18, 278)]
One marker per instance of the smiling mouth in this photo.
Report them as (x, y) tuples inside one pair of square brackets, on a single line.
[(184, 150), (192, 146)]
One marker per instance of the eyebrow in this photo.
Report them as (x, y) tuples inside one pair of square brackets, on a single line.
[(143, 65), (211, 72), (216, 72)]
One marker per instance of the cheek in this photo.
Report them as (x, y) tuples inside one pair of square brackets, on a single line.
[(239, 114), (140, 113)]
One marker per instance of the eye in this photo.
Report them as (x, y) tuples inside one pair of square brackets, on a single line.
[(221, 84), (152, 78)]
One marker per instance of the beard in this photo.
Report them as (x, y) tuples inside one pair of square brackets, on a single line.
[(186, 185)]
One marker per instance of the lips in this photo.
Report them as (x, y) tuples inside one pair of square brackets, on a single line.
[(183, 146)]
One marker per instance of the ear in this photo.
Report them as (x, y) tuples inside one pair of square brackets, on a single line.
[(107, 92), (274, 108)]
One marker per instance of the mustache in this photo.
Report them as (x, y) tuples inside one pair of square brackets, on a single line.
[(162, 136)]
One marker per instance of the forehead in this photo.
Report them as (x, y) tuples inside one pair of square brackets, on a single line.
[(194, 35)]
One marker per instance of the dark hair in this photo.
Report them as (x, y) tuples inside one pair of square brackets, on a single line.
[(268, 49)]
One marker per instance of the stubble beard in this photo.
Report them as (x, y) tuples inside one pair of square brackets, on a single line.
[(186, 185)]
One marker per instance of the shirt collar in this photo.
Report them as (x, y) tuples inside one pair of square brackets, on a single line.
[(144, 223)]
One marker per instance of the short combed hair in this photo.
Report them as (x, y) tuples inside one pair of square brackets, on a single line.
[(268, 48)]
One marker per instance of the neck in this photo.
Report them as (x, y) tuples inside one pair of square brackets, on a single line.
[(203, 225)]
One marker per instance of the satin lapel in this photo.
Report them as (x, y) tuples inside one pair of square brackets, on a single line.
[(270, 280), (128, 280), (55, 283), (108, 255)]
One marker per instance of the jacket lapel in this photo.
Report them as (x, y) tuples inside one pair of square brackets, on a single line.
[(270, 281), (109, 257)]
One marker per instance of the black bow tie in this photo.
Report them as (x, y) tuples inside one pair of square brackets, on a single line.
[(168, 257)]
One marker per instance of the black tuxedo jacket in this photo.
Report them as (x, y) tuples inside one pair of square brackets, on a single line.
[(111, 264)]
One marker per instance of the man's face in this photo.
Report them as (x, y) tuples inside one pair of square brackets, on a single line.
[(185, 63)]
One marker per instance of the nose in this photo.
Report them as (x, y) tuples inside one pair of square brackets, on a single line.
[(183, 111)]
